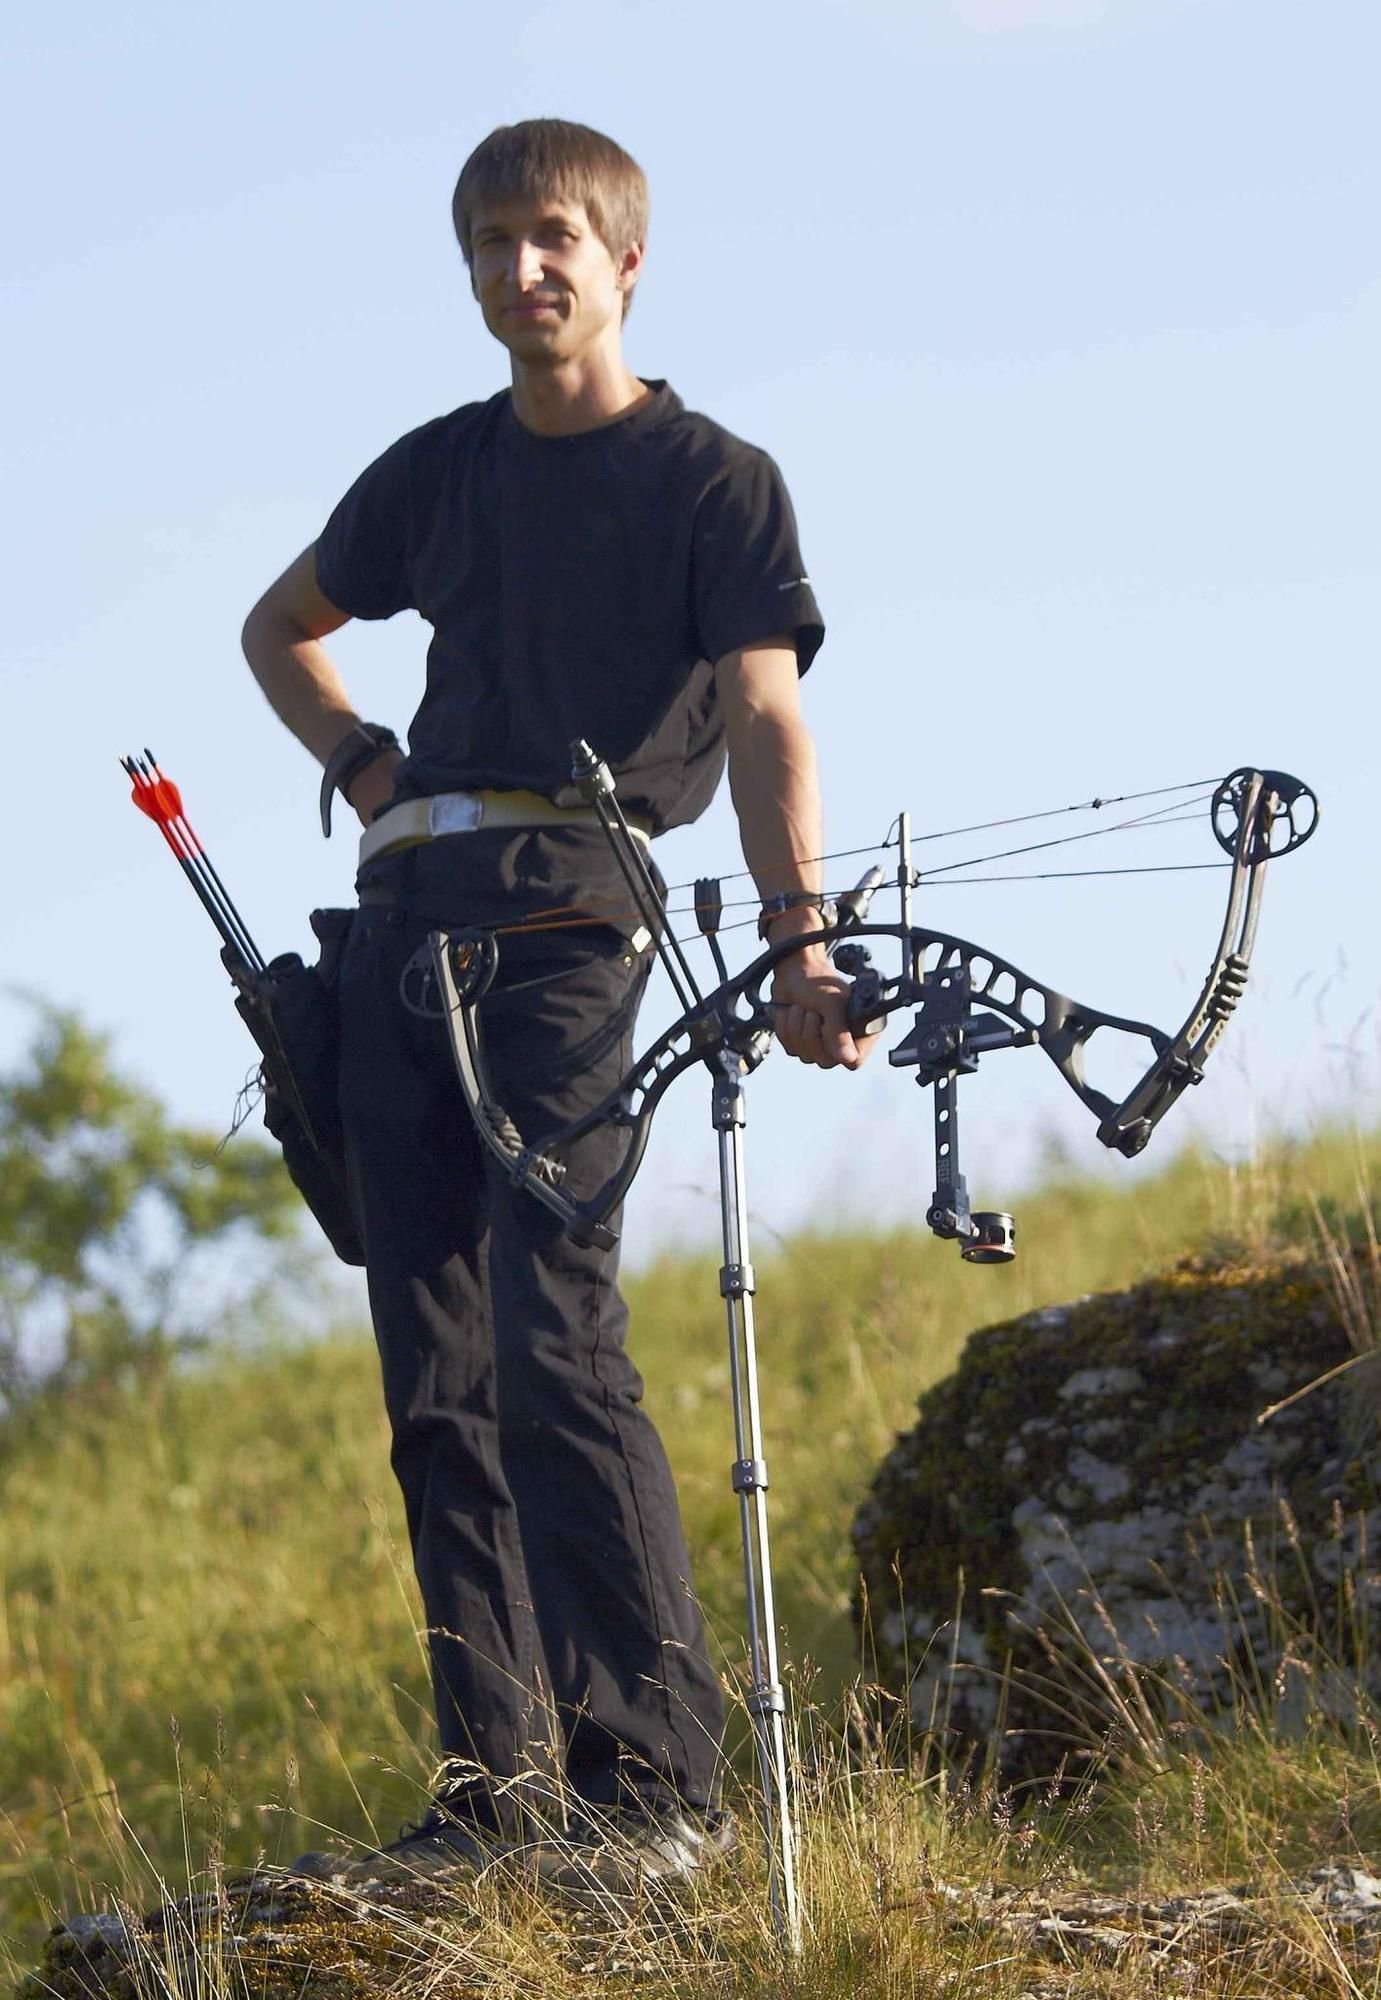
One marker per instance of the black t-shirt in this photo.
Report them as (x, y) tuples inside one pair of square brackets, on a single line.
[(576, 587)]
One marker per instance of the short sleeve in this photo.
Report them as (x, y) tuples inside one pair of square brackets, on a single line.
[(748, 578), (362, 554)]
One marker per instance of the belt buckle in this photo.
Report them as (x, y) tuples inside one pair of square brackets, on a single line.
[(454, 812)]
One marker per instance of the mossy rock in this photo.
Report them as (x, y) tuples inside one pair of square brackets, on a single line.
[(1090, 1538)]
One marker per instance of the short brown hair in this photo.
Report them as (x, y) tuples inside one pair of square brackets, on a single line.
[(550, 159)]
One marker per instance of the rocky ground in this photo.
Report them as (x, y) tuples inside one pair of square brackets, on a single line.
[(273, 1937), (279, 1937), (1299, 1937)]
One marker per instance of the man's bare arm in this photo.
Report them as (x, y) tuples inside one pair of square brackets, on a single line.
[(776, 794), (282, 643)]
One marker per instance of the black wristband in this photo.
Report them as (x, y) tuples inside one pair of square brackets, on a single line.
[(360, 747), (795, 899)]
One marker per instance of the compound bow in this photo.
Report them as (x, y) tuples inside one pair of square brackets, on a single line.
[(1256, 816)]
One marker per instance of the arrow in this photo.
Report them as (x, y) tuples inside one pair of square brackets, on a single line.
[(159, 799)]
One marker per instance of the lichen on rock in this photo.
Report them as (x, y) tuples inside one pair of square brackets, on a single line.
[(1128, 1547)]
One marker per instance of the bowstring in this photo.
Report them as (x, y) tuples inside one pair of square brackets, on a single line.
[(1035, 875), (988, 826), (1181, 812)]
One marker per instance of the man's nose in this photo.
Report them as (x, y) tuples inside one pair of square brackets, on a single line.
[(527, 264)]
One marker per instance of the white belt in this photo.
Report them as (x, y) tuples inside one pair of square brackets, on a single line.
[(413, 821)]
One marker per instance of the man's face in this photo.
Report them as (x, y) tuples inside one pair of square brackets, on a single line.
[(548, 286)]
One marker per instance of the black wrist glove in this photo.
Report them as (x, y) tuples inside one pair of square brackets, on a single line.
[(360, 747)]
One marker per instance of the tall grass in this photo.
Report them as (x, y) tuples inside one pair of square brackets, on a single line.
[(208, 1627)]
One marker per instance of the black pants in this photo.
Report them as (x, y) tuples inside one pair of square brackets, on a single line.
[(565, 1642)]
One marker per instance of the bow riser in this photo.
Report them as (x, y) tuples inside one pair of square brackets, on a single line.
[(735, 1015)]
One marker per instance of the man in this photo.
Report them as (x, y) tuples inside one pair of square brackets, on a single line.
[(595, 562)]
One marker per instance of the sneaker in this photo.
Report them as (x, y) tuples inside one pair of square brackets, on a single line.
[(438, 1844), (619, 1851)]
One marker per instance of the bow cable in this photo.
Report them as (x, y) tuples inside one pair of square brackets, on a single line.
[(1182, 812), (988, 826)]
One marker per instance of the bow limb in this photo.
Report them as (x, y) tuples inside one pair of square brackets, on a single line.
[(1129, 1128), (732, 1017), (1261, 803), (464, 967), (465, 964)]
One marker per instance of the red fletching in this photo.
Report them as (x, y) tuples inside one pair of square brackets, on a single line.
[(159, 799), (145, 794)]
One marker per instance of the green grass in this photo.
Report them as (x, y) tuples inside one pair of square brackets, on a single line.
[(208, 1647)]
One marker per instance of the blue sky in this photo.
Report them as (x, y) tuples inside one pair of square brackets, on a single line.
[(1061, 317)]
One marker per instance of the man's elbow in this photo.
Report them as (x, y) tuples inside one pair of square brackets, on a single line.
[(266, 633), (292, 611)]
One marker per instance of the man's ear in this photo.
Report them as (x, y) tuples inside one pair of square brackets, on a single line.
[(630, 266)]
